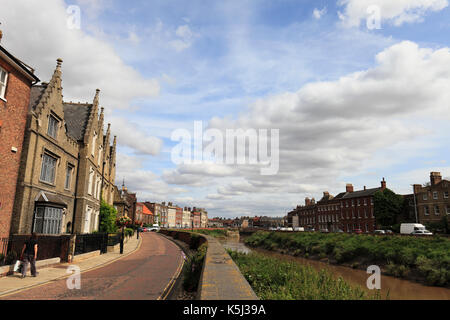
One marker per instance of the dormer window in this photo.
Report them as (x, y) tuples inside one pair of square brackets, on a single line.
[(3, 82), (53, 124)]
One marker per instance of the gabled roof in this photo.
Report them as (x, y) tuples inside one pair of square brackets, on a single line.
[(357, 194), (35, 95), (76, 116), (19, 65)]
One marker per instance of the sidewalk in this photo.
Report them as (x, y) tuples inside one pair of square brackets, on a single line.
[(14, 284)]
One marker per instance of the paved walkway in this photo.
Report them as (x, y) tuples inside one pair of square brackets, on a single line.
[(144, 271)]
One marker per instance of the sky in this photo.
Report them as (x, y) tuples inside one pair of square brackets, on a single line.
[(358, 90)]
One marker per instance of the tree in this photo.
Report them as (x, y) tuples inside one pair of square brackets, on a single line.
[(388, 206), (108, 215)]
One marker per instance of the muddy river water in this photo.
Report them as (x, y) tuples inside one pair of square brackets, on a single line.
[(398, 289)]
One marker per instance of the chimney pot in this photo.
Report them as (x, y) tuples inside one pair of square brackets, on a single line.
[(383, 184)]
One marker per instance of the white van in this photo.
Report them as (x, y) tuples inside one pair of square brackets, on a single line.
[(408, 228), (299, 229)]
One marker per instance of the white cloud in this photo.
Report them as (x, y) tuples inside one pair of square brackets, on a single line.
[(394, 11), (185, 38), (37, 33), (330, 129), (317, 14), (132, 135)]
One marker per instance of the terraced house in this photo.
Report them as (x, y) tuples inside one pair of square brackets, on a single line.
[(432, 201), (67, 164), (16, 80)]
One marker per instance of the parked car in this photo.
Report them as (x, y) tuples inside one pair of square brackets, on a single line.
[(389, 231), (324, 230), (357, 231), (379, 232), (421, 233), (299, 229), (155, 228), (339, 231)]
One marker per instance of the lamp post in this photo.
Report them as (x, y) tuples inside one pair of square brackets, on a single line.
[(415, 205)]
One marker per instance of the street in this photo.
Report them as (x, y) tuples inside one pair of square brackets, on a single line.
[(143, 275)]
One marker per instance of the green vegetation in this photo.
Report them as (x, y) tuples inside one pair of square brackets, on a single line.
[(193, 269), (108, 215), (272, 279), (426, 258), (388, 207), (129, 232)]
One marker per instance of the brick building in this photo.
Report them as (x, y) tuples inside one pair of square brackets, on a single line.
[(125, 202), (143, 213), (16, 80), (432, 201), (347, 211)]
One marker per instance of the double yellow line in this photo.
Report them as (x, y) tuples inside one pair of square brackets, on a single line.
[(174, 279)]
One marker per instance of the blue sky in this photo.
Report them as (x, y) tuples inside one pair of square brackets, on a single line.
[(183, 61)]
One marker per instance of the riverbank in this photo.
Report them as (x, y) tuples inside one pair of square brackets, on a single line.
[(273, 279), (424, 260)]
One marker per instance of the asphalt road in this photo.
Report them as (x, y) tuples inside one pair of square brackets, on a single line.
[(142, 275)]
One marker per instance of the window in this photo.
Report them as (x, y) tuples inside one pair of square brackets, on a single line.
[(448, 209), (435, 195), (365, 213), (359, 203), (94, 141), (445, 194), (87, 220), (91, 182), (100, 156), (48, 168), (425, 196), (3, 82), (436, 210), (69, 171), (53, 124), (365, 202), (426, 210), (47, 220)]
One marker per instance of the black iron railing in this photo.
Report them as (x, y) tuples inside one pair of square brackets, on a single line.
[(85, 243)]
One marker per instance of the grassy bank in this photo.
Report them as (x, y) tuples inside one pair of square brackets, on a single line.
[(272, 279), (415, 258)]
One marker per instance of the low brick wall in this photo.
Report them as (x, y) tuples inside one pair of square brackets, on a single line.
[(221, 278), (84, 256)]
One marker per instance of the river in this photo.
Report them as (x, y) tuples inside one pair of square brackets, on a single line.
[(398, 289)]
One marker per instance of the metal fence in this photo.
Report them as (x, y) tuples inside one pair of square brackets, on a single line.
[(91, 242), (114, 239), (48, 247)]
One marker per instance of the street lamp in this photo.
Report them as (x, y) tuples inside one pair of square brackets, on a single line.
[(415, 205)]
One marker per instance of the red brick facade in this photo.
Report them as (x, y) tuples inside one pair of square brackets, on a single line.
[(13, 117)]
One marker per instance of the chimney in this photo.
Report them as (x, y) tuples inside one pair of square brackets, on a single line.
[(383, 184), (307, 202), (435, 178), (313, 201), (364, 187), (417, 188), (326, 194), (349, 187)]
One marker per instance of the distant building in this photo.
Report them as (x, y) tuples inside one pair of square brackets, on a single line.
[(432, 201), (186, 220)]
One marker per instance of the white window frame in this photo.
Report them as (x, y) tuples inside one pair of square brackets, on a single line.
[(438, 211), (4, 84), (426, 210), (53, 126), (68, 181), (87, 220), (435, 195), (445, 194), (52, 174)]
